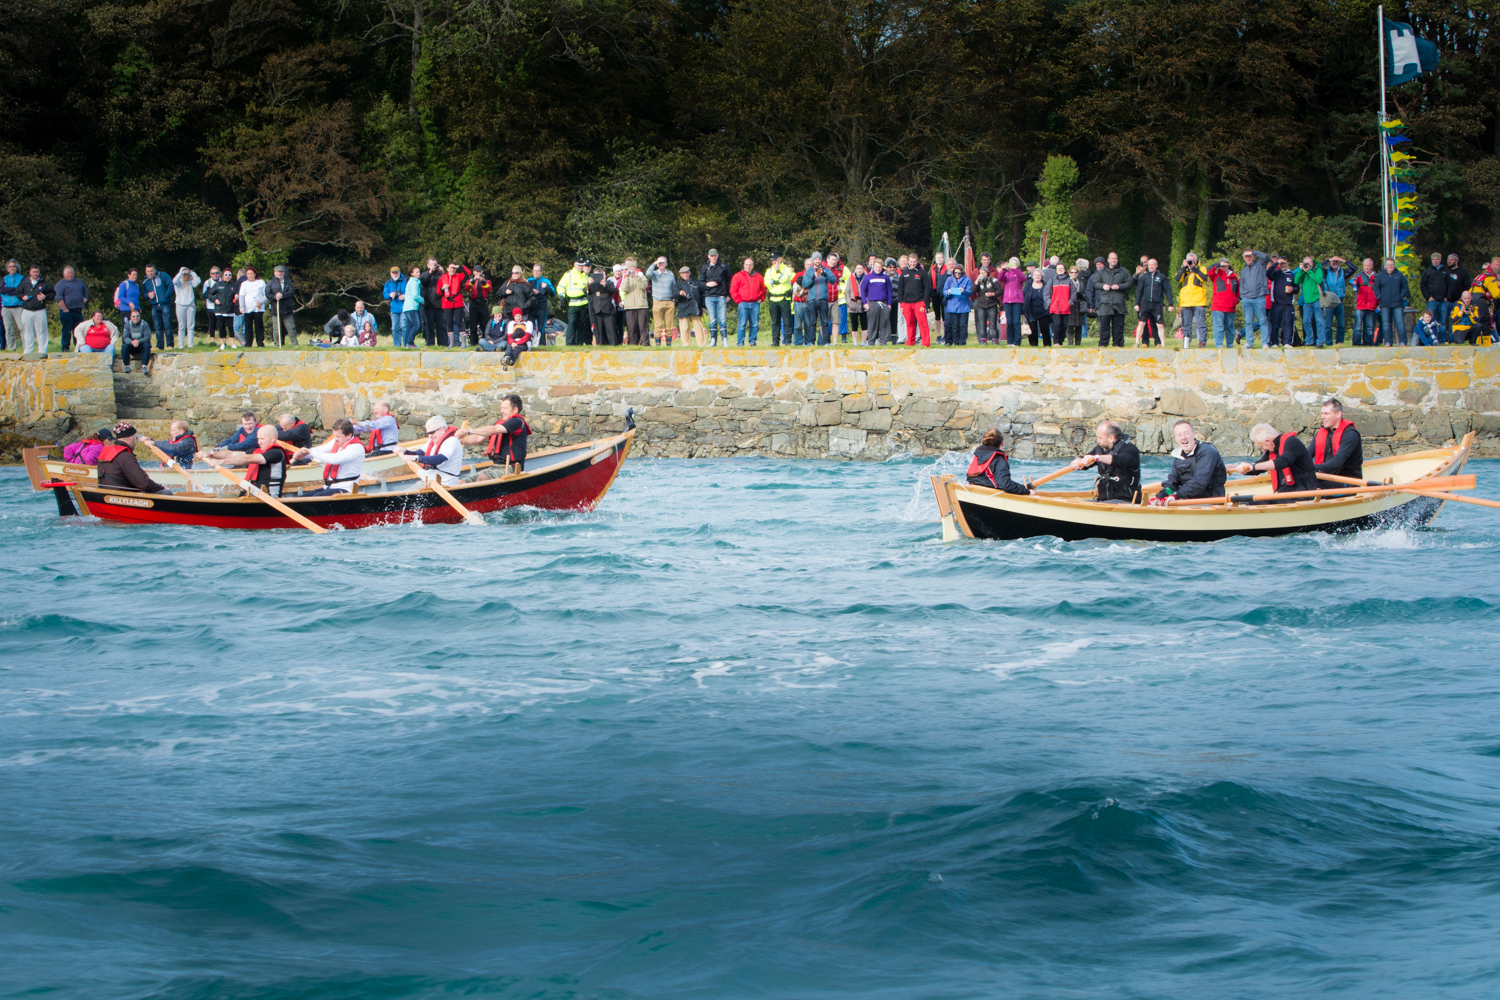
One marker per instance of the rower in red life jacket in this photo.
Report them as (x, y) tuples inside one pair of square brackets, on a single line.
[(265, 466), (505, 441), (118, 468), (182, 447), (1337, 448), (991, 467), (343, 459), (382, 427), (1285, 457), (442, 456), (295, 433)]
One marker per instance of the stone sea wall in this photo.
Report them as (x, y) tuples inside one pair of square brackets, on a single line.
[(829, 403)]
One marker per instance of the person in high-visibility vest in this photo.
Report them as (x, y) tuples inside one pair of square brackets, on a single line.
[(573, 289)]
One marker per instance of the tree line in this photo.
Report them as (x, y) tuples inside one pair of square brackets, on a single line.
[(339, 136)]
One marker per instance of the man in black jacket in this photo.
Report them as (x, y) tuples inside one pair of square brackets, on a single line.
[(1283, 303), (1108, 286), (911, 291), (714, 279), (1198, 471), (1337, 448), (1285, 457), (431, 306), (1117, 462), (1458, 283), (279, 303), (1434, 287), (1153, 293)]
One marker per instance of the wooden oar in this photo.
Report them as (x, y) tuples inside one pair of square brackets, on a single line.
[(1438, 495), (265, 497), (1054, 475), (1331, 478), (1437, 482), (172, 463), (442, 491)]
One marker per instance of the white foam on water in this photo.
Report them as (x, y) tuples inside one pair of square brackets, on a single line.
[(718, 668), (923, 505), (1047, 653)]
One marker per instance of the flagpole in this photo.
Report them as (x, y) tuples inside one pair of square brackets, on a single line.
[(1385, 163)]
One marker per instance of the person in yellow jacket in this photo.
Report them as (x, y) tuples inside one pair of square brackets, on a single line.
[(573, 290), (1466, 325), (838, 307), (779, 277), (1192, 300)]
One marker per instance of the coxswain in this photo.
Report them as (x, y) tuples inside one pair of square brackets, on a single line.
[(382, 427), (294, 432), (343, 459), (504, 441), (1285, 457), (265, 466), (118, 468), (1117, 463), (1197, 469), (442, 456), (991, 467), (1337, 447), (181, 447)]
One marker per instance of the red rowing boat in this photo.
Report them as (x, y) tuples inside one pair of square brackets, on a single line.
[(572, 478)]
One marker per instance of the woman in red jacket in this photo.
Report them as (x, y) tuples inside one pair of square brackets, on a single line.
[(450, 289), (1226, 299)]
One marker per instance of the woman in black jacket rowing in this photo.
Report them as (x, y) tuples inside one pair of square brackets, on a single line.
[(990, 466)]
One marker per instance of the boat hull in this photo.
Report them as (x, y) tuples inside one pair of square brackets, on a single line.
[(563, 479), (979, 512)]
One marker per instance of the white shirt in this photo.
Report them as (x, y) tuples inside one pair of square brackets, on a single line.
[(253, 296), (452, 451), (350, 460), (184, 289)]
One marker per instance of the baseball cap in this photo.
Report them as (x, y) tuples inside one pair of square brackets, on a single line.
[(713, 253)]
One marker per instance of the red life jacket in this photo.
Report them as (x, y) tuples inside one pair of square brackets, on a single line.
[(331, 472), (376, 442), (1282, 479), (1321, 438), (434, 443), (186, 437), (493, 448), (110, 452), (252, 471), (985, 468)]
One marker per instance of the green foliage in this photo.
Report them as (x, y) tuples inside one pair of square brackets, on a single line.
[(1290, 232), (627, 207), (1054, 213)]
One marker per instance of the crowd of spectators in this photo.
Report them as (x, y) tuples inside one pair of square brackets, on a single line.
[(1266, 300)]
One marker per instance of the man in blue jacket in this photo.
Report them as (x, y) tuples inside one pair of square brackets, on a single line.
[(816, 279), (1253, 290), (537, 312), (1391, 296), (1336, 275), (157, 296)]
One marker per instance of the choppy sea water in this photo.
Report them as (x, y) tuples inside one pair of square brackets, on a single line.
[(748, 730)]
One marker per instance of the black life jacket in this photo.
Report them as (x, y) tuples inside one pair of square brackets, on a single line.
[(1282, 479), (987, 467), (1320, 439)]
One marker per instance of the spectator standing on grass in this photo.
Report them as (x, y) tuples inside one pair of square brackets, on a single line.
[(1109, 287), (477, 290), (35, 291), (573, 291), (1335, 285), (601, 309), (10, 303), (689, 300), (633, 303), (544, 289), (1308, 277), (393, 293), (1283, 304), (157, 298), (747, 289), (280, 294), (715, 279), (663, 296), (72, 296), (1392, 293), (1224, 287), (957, 304), (988, 291), (1434, 287), (1192, 301), (127, 293), (185, 305), (878, 293), (1254, 288), (779, 277), (252, 307), (1153, 294), (911, 294), (1364, 304), (411, 307)]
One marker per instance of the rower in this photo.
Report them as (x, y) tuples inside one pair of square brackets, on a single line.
[(1337, 447), (382, 427), (343, 459), (1285, 457), (242, 440), (1197, 470), (118, 467), (265, 466), (181, 447), (991, 467), (504, 441), (443, 455), (294, 432), (1117, 462)]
